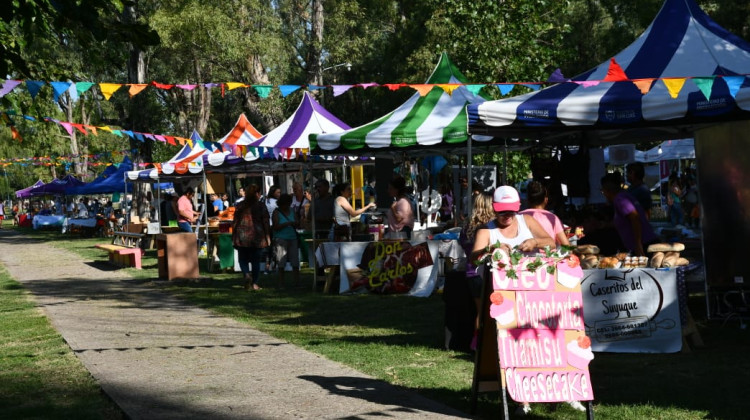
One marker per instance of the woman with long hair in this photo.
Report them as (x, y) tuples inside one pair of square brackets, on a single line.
[(481, 214), (251, 232), (285, 242)]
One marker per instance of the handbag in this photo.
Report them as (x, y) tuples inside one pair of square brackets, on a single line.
[(244, 233)]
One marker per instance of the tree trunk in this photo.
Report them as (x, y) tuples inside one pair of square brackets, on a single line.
[(136, 74), (315, 60)]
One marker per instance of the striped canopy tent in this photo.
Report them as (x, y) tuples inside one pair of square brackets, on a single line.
[(434, 118), (236, 144), (292, 136), (683, 73), (26, 192)]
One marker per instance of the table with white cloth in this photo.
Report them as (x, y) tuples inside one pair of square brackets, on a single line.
[(48, 221), (74, 224), (410, 267)]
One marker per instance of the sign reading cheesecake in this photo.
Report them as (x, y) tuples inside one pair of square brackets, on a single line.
[(537, 305)]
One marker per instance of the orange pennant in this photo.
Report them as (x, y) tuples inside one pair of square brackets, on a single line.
[(136, 88), (644, 85), (422, 89), (15, 134), (92, 128)]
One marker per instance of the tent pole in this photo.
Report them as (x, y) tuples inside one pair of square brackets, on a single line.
[(469, 179), (125, 200), (204, 212), (311, 250)]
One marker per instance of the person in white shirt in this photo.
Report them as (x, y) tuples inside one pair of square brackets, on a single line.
[(83, 211)]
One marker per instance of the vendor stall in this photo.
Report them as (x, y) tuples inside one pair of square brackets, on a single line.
[(39, 222)]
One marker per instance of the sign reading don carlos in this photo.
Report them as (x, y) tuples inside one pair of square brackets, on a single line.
[(543, 350)]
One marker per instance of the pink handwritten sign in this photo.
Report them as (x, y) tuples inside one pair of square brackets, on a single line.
[(531, 348), (525, 279), (555, 310), (548, 385)]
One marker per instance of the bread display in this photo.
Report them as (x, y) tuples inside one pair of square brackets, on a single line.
[(666, 247), (663, 255), (587, 250), (657, 259)]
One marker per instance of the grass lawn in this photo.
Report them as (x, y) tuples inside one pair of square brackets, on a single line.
[(40, 377), (399, 339)]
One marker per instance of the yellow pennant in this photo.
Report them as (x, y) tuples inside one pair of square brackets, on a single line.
[(644, 85), (449, 88), (422, 89), (105, 128), (674, 86), (235, 85), (108, 89), (136, 88)]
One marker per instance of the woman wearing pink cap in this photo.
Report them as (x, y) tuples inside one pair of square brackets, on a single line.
[(510, 228)]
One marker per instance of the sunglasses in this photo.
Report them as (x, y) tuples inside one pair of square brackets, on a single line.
[(505, 214)]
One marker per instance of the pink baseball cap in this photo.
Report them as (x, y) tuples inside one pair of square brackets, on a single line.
[(506, 199)]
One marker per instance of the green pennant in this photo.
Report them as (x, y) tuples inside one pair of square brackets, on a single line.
[(705, 84), (82, 87), (474, 88), (263, 90)]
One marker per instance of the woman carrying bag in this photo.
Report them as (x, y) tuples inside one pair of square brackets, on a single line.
[(251, 233)]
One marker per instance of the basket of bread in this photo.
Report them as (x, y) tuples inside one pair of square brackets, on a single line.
[(663, 255)]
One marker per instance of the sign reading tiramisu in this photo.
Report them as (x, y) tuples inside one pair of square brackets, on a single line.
[(537, 305)]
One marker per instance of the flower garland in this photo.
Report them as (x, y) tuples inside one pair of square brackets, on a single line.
[(497, 257)]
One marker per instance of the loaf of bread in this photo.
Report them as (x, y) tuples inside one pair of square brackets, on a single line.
[(621, 256), (666, 247), (609, 262), (681, 261), (670, 259), (590, 261), (657, 259)]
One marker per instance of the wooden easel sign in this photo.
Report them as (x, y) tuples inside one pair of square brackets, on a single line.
[(543, 352)]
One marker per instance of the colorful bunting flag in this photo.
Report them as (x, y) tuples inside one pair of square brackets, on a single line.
[(557, 77), (448, 87), (33, 87), (340, 89), (422, 89), (615, 73), (286, 90), (9, 85), (108, 89), (394, 86), (235, 85), (505, 88), (734, 83), (82, 87), (161, 85), (474, 89), (644, 85), (187, 87), (674, 86), (58, 88), (314, 87), (263, 90), (587, 83), (705, 84), (367, 85), (136, 88)]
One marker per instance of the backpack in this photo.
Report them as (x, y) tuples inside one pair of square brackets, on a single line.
[(244, 233)]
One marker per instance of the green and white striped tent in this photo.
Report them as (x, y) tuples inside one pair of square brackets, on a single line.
[(436, 119)]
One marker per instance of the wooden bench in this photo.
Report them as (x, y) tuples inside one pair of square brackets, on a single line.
[(125, 249)]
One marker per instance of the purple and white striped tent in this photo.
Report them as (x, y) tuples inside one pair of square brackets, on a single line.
[(683, 53)]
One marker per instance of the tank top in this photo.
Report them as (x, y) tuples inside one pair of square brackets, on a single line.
[(523, 233), (341, 216), (287, 232)]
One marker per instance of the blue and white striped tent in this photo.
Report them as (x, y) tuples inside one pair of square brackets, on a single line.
[(682, 53)]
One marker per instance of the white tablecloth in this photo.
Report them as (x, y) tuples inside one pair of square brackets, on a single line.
[(69, 223), (43, 221)]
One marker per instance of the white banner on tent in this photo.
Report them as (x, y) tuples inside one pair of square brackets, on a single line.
[(632, 310)]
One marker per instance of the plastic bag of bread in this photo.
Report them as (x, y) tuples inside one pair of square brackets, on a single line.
[(589, 261), (666, 247)]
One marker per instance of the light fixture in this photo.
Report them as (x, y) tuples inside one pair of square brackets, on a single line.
[(659, 151)]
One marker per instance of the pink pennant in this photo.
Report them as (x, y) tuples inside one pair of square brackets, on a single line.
[(68, 127), (187, 87), (340, 89), (160, 138), (367, 85), (587, 83)]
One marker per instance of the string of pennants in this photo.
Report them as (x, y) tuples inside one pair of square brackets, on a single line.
[(615, 74), (63, 160)]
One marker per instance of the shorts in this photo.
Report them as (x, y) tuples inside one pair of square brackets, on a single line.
[(287, 250)]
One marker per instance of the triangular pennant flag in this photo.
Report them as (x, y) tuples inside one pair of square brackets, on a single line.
[(505, 88), (187, 87), (139, 137), (80, 128), (705, 84), (394, 86), (28, 117), (587, 83), (674, 86), (181, 140), (128, 133), (108, 89), (170, 140), (58, 88), (190, 142), (532, 86), (262, 90), (340, 89), (644, 85), (314, 87), (136, 88), (422, 89), (449, 87), (34, 86), (557, 77), (68, 127), (277, 152), (160, 138), (149, 136), (118, 133), (93, 129), (367, 85), (161, 85), (474, 89), (15, 134), (105, 128), (734, 83), (82, 87), (288, 89), (211, 85), (9, 85), (235, 85), (615, 73)]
